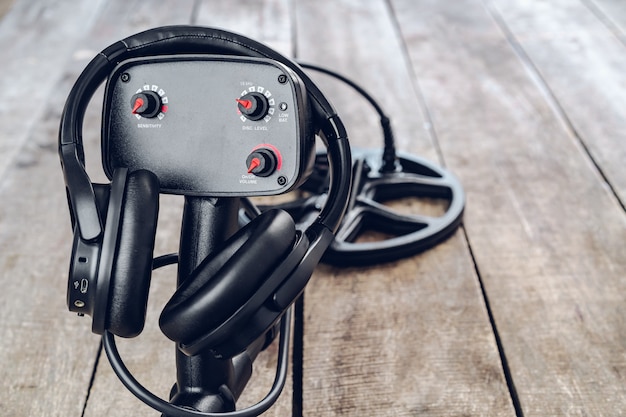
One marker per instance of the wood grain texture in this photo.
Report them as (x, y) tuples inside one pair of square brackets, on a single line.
[(150, 356), (267, 21), (410, 337), (36, 40), (582, 62), (547, 236), (471, 84), (46, 357), (108, 396), (48, 354), (270, 22), (359, 41), (612, 13)]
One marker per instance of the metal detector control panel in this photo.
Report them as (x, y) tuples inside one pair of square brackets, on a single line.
[(208, 125)]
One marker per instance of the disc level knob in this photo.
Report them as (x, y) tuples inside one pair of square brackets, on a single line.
[(146, 104), (262, 162), (253, 106)]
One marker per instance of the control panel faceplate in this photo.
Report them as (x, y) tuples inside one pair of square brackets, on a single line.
[(208, 125)]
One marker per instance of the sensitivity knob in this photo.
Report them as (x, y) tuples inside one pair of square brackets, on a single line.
[(262, 162), (146, 104), (253, 106)]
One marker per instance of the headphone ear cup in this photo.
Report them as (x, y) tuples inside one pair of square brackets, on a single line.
[(132, 262), (225, 281)]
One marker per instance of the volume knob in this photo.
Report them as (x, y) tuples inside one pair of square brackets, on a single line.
[(262, 162)]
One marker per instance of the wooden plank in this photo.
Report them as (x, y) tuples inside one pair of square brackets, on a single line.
[(410, 337), (554, 282), (269, 22), (583, 62), (152, 347), (48, 355), (547, 236), (45, 362), (5, 6), (107, 395), (612, 13), (36, 39), (341, 47)]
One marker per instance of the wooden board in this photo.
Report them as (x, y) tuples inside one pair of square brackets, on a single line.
[(152, 347), (36, 40), (582, 62), (267, 21), (612, 13), (5, 6), (410, 337), (547, 236), (469, 84), (46, 356)]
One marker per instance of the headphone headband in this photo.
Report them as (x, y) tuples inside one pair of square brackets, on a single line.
[(288, 272), (186, 40)]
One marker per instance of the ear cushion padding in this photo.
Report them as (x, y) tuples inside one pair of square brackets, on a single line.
[(132, 265), (226, 280)]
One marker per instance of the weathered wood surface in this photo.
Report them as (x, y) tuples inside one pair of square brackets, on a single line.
[(412, 337), (547, 236), (522, 100), (580, 66), (612, 14), (151, 347), (36, 41)]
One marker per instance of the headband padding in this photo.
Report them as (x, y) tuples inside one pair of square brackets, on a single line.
[(132, 265), (222, 283)]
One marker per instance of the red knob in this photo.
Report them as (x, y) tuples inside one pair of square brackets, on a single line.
[(254, 106), (146, 104), (262, 162)]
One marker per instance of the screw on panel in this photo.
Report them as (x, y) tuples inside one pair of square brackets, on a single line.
[(282, 78), (125, 77), (282, 180)]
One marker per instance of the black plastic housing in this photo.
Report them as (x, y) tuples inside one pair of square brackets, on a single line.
[(198, 143)]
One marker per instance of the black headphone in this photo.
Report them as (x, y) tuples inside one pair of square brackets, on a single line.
[(115, 224)]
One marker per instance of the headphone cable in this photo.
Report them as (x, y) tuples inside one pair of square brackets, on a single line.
[(389, 162), (172, 410)]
